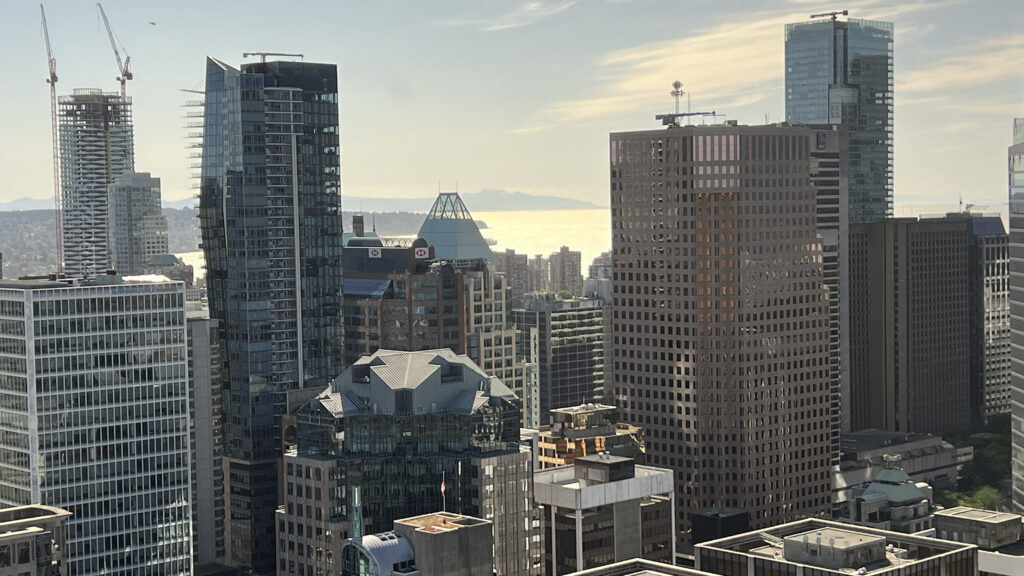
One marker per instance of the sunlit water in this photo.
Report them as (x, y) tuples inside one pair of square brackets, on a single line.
[(532, 232)]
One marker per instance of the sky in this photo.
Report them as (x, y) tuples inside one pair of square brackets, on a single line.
[(517, 95)]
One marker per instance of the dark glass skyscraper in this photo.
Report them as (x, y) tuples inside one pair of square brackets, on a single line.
[(270, 215), (841, 73)]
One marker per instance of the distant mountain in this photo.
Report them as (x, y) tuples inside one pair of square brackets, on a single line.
[(184, 203), (483, 201), (27, 204)]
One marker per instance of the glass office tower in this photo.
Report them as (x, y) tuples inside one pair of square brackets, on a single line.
[(270, 217), (841, 73), (94, 412), (1016, 183)]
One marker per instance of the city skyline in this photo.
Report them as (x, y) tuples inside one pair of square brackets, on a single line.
[(438, 73)]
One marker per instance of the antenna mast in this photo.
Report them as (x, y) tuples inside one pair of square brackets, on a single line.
[(677, 92), (122, 67), (57, 197)]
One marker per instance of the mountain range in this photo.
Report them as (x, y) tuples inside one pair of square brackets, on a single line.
[(489, 200)]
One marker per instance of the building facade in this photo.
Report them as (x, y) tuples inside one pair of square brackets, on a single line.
[(565, 340), (825, 548), (516, 268), (437, 544), (138, 228), (396, 425), (720, 316), (270, 218), (587, 430), (32, 540), (841, 72), (603, 509), (95, 402), (399, 298), (207, 440), (566, 269), (910, 358), (97, 145), (1015, 156)]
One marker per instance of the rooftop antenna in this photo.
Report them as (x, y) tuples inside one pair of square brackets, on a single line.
[(833, 14), (263, 55), (677, 91)]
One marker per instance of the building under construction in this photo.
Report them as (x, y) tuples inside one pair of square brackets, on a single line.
[(96, 147)]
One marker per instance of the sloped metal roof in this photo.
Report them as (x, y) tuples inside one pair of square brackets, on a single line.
[(453, 233)]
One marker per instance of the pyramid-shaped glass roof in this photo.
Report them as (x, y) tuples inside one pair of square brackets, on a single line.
[(451, 230)]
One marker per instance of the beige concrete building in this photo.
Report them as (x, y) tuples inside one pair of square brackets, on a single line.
[(720, 328), (586, 430), (566, 268), (32, 541), (605, 509)]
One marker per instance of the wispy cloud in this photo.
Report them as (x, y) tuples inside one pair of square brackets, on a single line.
[(989, 61), (731, 65), (525, 14)]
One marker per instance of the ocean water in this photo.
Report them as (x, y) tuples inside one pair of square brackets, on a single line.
[(544, 232), (527, 232)]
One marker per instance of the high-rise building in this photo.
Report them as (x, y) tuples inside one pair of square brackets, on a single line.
[(603, 509), (910, 326), (400, 298), (1015, 156), (540, 274), (95, 406), (396, 425), (32, 540), (565, 340), (138, 228), (720, 316), (566, 271), (492, 341), (585, 430), (841, 72), (516, 268), (270, 217), (206, 430), (988, 255), (96, 146)]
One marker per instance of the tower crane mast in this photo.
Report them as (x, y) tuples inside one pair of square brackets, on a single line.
[(122, 67), (57, 197)]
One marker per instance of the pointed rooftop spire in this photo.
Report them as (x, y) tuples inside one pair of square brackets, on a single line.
[(451, 230)]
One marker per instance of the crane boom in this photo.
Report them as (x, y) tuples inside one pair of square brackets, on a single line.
[(832, 14), (57, 197), (122, 67)]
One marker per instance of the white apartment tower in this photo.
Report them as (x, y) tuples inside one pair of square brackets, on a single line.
[(96, 146), (94, 417)]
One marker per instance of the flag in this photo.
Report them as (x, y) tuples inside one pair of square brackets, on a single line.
[(442, 482)]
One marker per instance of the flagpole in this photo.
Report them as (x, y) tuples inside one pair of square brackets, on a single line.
[(444, 497)]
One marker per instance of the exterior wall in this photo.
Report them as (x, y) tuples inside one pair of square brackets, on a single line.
[(96, 399), (566, 271), (567, 346), (32, 540), (270, 217), (842, 73), (516, 269), (462, 551), (96, 146), (204, 369), (717, 275), (504, 487), (311, 524), (1015, 164), (138, 228), (990, 313), (910, 367)]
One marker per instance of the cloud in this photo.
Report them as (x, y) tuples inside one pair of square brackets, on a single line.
[(989, 61), (524, 15), (728, 66)]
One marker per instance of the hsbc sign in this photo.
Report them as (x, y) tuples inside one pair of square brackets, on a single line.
[(422, 253), (375, 252)]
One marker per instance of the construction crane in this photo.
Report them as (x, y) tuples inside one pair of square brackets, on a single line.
[(57, 199), (263, 55), (833, 15), (122, 67)]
